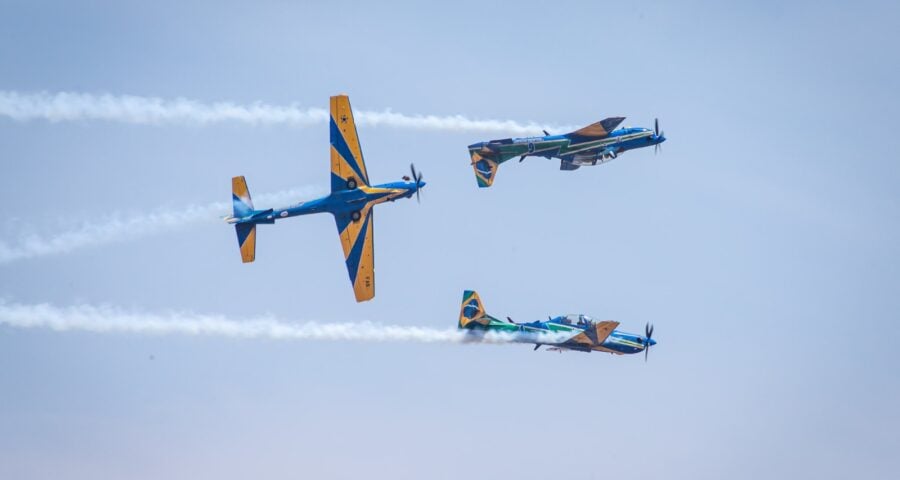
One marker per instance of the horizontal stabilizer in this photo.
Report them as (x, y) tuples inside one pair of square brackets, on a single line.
[(246, 234), (242, 204)]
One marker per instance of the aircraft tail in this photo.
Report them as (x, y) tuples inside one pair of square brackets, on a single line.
[(245, 218), (471, 312), (485, 168), (242, 207)]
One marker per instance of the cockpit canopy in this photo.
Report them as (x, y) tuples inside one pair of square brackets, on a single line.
[(576, 319)]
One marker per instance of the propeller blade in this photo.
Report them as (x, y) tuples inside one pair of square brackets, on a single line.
[(545, 133), (648, 333), (418, 178), (521, 159), (510, 320), (418, 186), (656, 126)]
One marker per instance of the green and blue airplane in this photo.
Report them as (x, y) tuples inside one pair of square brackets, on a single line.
[(566, 332), (351, 202), (594, 144)]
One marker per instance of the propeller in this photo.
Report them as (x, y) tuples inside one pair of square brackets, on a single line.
[(648, 333), (510, 320), (545, 133), (417, 177), (656, 147)]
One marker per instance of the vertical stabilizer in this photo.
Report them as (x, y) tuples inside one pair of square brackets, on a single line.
[(471, 312), (485, 168)]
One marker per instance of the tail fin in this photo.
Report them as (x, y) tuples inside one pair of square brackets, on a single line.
[(242, 204), (485, 169), (471, 312)]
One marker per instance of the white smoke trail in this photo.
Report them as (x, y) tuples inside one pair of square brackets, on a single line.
[(70, 106), (119, 228), (106, 319)]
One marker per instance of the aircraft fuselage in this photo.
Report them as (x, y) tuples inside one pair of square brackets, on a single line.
[(570, 148), (617, 342), (341, 202)]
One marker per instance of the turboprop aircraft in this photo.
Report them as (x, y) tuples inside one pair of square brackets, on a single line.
[(594, 144), (351, 202), (566, 332)]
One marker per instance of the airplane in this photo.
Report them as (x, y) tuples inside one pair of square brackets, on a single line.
[(596, 143), (575, 332), (351, 202)]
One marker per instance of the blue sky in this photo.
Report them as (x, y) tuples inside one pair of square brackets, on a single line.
[(762, 243)]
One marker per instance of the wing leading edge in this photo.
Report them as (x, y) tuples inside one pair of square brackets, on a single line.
[(348, 169)]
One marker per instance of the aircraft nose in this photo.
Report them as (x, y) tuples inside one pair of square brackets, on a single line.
[(652, 342)]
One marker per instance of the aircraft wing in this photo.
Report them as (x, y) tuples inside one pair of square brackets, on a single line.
[(359, 251), (591, 337), (601, 128), (348, 170)]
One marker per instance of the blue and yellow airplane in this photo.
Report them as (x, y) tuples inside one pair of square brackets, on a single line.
[(596, 143), (566, 332), (351, 201)]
